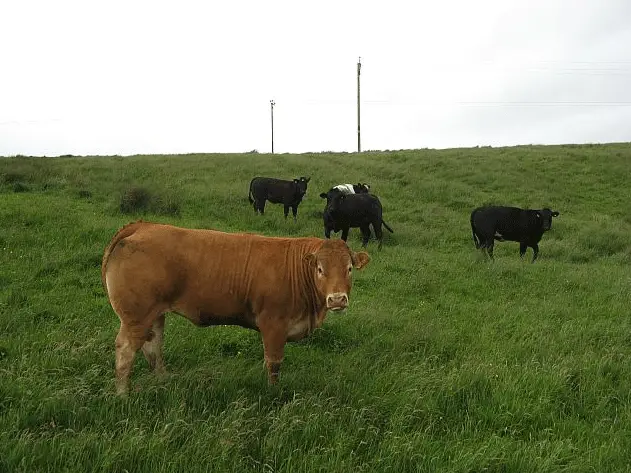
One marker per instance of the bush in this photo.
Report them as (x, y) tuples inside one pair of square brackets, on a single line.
[(19, 187), (137, 200), (13, 177)]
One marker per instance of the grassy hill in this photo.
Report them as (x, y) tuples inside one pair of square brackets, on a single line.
[(443, 361)]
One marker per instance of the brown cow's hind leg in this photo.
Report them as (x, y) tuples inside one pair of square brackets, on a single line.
[(152, 348), (127, 344)]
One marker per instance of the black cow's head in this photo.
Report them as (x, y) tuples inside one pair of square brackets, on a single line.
[(334, 201), (331, 195), (361, 188), (545, 217), (301, 185)]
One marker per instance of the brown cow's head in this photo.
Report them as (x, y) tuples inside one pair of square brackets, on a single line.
[(332, 267)]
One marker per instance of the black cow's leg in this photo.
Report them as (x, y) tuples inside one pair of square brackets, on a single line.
[(345, 233), (378, 233), (294, 210), (489, 249), (535, 250), (522, 249), (260, 204), (365, 229), (327, 232), (286, 210), (482, 248)]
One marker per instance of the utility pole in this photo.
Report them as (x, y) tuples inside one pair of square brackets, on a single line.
[(359, 140), (272, 103)]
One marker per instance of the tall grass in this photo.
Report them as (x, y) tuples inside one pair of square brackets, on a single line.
[(443, 361)]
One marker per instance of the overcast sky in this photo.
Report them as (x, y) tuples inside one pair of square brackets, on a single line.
[(126, 77)]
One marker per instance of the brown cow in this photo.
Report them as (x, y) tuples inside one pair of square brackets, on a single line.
[(281, 287)]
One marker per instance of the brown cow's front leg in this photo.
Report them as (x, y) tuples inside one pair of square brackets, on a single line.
[(274, 338)]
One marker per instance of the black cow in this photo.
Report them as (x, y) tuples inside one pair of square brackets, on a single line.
[(277, 191), (510, 223), (344, 211)]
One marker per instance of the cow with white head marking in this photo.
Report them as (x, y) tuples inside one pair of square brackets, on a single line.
[(358, 188), (345, 211)]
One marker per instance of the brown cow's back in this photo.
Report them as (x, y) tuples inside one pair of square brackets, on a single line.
[(185, 270)]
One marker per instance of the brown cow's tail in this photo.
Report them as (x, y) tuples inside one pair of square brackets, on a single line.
[(124, 232), (387, 227)]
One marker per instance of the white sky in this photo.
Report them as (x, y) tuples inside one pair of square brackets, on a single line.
[(125, 77)]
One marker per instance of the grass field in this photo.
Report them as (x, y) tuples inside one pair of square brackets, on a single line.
[(443, 362)]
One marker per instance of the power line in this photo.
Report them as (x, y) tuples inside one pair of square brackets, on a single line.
[(415, 102), (547, 104)]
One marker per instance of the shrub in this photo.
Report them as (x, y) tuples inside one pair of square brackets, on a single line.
[(19, 187), (13, 177), (137, 200)]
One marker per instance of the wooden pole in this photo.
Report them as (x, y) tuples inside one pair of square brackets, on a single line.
[(359, 140), (272, 103)]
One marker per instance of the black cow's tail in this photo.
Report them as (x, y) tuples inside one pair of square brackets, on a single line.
[(387, 227), (476, 240), (250, 195)]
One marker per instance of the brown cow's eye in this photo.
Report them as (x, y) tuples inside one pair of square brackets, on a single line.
[(350, 268), (320, 270)]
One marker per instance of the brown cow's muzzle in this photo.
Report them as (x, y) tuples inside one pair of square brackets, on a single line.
[(337, 301)]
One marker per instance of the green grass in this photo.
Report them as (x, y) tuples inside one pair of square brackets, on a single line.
[(443, 362)]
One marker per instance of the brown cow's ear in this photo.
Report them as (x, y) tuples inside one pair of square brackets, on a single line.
[(360, 259), (310, 259)]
